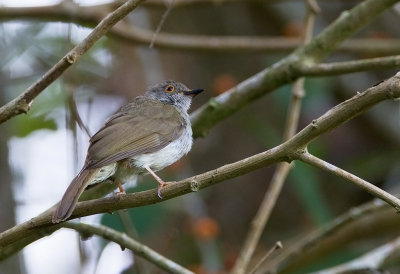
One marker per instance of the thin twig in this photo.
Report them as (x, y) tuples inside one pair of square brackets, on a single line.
[(163, 18), (23, 102), (372, 189), (127, 242), (278, 245)]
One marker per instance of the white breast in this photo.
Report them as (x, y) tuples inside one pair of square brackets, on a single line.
[(167, 155)]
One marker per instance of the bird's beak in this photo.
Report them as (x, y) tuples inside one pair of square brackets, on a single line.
[(193, 92)]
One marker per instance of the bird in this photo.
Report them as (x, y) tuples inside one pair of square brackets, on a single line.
[(144, 136)]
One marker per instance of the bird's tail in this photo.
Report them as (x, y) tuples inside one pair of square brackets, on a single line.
[(71, 195)]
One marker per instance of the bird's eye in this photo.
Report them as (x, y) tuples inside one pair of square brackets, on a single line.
[(170, 89)]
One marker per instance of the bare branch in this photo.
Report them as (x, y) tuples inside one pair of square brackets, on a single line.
[(282, 73), (91, 15), (278, 245), (127, 242), (23, 102), (337, 68), (161, 23), (374, 190), (183, 3)]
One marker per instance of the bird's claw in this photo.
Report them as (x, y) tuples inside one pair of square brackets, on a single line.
[(160, 187)]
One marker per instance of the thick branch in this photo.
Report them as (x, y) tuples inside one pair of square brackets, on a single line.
[(23, 102), (127, 242), (19, 236)]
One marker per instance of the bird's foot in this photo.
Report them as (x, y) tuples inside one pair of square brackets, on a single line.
[(121, 189), (160, 187)]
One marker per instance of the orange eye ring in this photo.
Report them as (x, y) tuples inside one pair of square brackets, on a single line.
[(170, 89)]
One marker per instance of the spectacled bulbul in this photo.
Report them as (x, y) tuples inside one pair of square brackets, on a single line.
[(144, 136)]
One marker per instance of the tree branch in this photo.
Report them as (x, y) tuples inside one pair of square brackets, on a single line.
[(219, 107), (338, 68), (23, 102), (288, 259), (282, 73), (91, 15), (372, 189), (278, 245), (19, 236), (127, 242)]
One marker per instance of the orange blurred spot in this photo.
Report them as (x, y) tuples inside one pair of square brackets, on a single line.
[(222, 83), (205, 228), (293, 29)]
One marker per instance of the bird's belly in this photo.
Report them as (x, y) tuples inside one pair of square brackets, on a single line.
[(167, 155)]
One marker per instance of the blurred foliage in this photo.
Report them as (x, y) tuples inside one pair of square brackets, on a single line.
[(22, 128), (308, 189)]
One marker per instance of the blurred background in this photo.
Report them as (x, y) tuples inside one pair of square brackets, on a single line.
[(42, 151)]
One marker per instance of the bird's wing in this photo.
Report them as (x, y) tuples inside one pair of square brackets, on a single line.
[(144, 126)]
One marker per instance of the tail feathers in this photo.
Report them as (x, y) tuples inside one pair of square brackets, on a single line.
[(71, 195)]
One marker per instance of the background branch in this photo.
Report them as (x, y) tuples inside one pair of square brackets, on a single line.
[(278, 245), (336, 233), (264, 212), (219, 107), (91, 15), (23, 102), (282, 73), (375, 260), (338, 68), (127, 242)]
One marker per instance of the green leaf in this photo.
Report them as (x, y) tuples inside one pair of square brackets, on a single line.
[(23, 125)]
